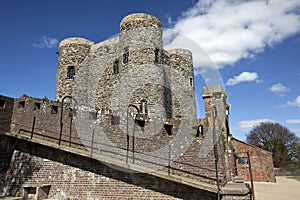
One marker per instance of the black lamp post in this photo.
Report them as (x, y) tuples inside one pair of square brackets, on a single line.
[(127, 128), (61, 117)]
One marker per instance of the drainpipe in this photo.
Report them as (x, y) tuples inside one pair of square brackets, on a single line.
[(214, 116)]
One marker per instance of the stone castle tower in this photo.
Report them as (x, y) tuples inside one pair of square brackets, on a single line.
[(129, 69)]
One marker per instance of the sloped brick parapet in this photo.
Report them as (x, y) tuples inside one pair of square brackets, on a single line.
[(73, 174)]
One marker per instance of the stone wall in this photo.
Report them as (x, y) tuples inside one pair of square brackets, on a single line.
[(200, 166), (215, 124), (214, 96), (131, 69), (6, 111), (72, 52), (261, 162)]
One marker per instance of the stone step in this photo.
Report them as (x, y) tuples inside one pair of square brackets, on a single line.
[(238, 179)]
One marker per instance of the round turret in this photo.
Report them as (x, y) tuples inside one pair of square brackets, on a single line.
[(139, 20), (182, 61), (72, 52), (75, 40), (185, 54), (140, 39)]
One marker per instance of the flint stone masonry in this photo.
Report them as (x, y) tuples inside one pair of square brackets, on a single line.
[(147, 73), (215, 96), (97, 86), (72, 52)]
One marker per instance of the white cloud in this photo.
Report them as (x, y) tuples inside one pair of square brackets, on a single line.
[(46, 42), (278, 88), (230, 30), (292, 121), (296, 130), (296, 102), (243, 77), (247, 125)]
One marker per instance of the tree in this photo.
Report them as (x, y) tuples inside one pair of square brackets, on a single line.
[(277, 139)]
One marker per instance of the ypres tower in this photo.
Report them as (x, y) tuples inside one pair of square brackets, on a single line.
[(132, 68)]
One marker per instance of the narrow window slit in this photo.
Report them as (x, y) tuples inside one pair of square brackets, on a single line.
[(71, 72)]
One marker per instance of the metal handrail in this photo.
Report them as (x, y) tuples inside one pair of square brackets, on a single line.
[(247, 167), (95, 146), (61, 117), (214, 116)]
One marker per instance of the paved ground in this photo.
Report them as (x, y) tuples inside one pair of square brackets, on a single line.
[(283, 189)]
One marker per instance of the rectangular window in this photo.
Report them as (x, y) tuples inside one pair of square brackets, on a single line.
[(168, 129), (143, 107), (37, 106), (115, 120), (54, 109), (21, 104), (125, 55), (116, 67), (72, 112), (93, 115), (156, 55), (243, 160), (2, 103), (71, 72), (191, 82)]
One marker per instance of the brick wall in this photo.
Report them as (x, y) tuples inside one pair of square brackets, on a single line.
[(6, 111), (42, 116), (261, 162), (27, 163), (75, 177)]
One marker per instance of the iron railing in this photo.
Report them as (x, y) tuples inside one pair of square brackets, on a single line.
[(174, 167)]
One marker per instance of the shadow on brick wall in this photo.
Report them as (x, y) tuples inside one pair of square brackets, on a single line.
[(16, 168), (33, 163)]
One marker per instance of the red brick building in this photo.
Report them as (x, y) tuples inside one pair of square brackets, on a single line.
[(261, 162)]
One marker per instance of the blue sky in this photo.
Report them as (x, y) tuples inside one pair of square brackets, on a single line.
[(254, 45)]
